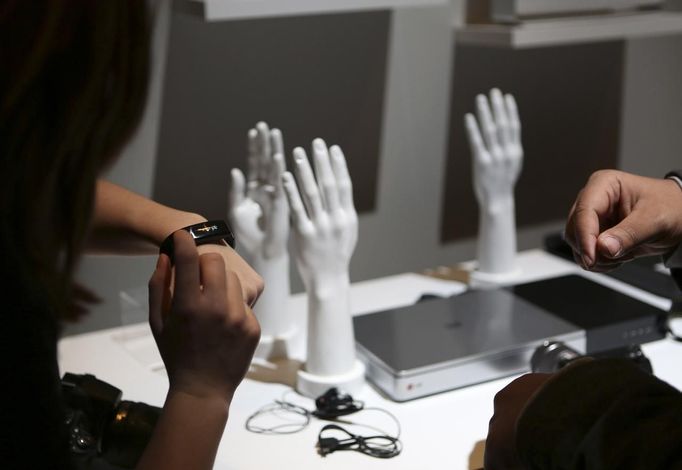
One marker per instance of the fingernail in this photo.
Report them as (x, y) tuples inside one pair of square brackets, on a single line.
[(318, 144), (612, 245), (587, 261)]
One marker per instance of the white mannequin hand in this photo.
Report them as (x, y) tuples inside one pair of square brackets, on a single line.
[(259, 213), (325, 228), (498, 155), (326, 235)]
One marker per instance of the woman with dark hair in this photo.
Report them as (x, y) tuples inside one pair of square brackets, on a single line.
[(73, 78)]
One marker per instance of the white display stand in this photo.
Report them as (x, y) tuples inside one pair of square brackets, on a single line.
[(494, 134), (572, 30), (259, 215), (324, 226), (217, 10)]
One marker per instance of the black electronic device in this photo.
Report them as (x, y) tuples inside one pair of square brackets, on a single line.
[(552, 356), (212, 231), (334, 403), (611, 320)]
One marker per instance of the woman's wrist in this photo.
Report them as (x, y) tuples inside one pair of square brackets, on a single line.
[(171, 221), (208, 402)]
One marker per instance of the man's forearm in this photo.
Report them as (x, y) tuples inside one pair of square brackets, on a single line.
[(125, 222)]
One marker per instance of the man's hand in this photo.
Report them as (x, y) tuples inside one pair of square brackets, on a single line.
[(500, 446), (204, 331), (619, 216)]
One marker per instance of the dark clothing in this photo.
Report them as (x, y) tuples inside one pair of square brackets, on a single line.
[(603, 414), (32, 431)]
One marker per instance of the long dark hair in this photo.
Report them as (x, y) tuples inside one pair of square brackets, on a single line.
[(73, 80)]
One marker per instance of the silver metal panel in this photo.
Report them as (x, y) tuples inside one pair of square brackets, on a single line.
[(442, 344)]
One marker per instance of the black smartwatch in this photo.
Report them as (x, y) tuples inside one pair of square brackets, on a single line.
[(211, 231)]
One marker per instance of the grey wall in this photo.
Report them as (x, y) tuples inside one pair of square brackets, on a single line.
[(570, 105), (403, 231), (306, 75), (651, 125)]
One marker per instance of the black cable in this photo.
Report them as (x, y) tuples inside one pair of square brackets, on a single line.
[(331, 407), (380, 446), (284, 428)]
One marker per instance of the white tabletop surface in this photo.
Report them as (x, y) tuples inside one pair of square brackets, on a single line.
[(438, 432)]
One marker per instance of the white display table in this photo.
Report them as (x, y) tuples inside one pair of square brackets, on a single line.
[(438, 432)]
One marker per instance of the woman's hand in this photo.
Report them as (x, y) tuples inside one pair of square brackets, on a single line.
[(205, 332)]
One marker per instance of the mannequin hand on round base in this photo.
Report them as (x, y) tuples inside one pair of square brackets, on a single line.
[(325, 228), (498, 157), (259, 215)]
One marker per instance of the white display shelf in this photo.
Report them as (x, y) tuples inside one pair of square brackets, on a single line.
[(216, 10), (575, 30)]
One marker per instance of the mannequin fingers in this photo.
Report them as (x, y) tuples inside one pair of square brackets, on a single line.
[(343, 181), (478, 148), (514, 120), (236, 188), (276, 141), (501, 117), (310, 193), (485, 118), (277, 169), (325, 176), (252, 159), (297, 210), (264, 150)]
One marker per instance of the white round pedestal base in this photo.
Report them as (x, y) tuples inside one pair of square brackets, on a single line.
[(312, 385), (482, 279), (275, 347)]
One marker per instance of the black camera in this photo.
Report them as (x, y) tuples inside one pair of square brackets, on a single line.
[(101, 426), (551, 356)]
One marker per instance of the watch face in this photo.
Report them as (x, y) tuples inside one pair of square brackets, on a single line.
[(211, 232), (205, 230)]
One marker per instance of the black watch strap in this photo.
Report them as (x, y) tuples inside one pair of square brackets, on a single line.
[(211, 231)]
